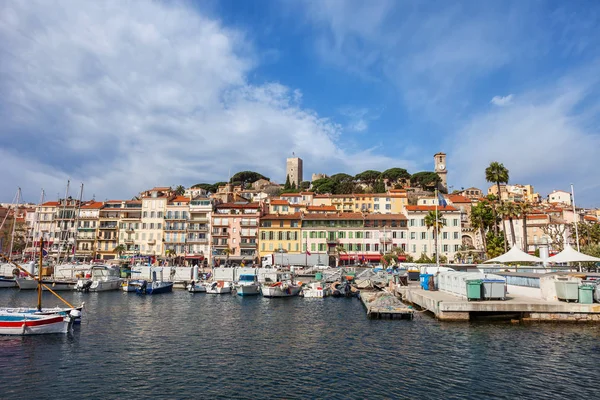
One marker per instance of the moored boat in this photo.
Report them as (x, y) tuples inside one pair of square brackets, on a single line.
[(56, 285), (316, 290), (247, 285), (7, 282), (131, 285), (154, 287), (196, 287), (102, 278), (33, 324), (75, 313), (280, 289), (218, 287)]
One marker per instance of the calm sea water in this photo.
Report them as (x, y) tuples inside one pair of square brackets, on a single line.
[(184, 345)]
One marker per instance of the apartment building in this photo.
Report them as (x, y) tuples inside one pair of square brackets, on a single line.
[(108, 229), (154, 206), (234, 230), (280, 233), (198, 232), (129, 226), (421, 238), (87, 230), (175, 227)]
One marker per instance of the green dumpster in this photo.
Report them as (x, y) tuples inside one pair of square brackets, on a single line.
[(318, 276), (474, 289), (586, 294)]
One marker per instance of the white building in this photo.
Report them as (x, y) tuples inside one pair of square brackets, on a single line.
[(154, 206), (421, 239), (560, 196), (198, 232)]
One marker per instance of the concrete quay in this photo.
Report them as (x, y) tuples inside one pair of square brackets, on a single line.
[(448, 307)]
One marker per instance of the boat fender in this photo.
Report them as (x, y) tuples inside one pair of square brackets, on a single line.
[(75, 314)]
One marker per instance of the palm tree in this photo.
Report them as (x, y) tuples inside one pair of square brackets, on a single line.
[(120, 249), (170, 253), (227, 251), (496, 173), (512, 211), (503, 212), (524, 209), (437, 222), (340, 250), (180, 190)]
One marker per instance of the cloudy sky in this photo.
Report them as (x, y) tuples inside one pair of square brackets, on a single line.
[(127, 95)]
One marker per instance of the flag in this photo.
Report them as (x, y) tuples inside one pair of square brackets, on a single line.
[(44, 252), (307, 252), (442, 200)]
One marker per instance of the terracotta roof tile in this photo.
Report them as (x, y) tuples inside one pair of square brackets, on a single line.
[(281, 216), (456, 198), (322, 207), (51, 204), (341, 216), (94, 205), (430, 208), (276, 202)]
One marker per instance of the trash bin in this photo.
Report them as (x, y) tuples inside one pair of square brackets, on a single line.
[(474, 289), (586, 294), (494, 289), (413, 275), (319, 276), (567, 290), (425, 280)]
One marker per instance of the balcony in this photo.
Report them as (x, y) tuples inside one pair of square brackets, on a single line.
[(86, 229), (197, 228), (129, 241), (245, 245), (108, 226), (248, 235), (203, 220), (223, 224), (385, 240), (151, 241), (198, 240), (176, 217), (224, 234), (249, 224), (220, 244)]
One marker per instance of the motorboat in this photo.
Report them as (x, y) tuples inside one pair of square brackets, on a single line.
[(7, 282), (131, 285), (282, 286), (54, 284), (196, 287), (34, 324), (154, 287), (247, 285), (101, 278), (316, 290), (218, 287)]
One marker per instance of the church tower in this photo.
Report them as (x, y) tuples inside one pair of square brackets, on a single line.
[(441, 169)]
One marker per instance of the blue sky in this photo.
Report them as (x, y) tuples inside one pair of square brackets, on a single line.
[(127, 95)]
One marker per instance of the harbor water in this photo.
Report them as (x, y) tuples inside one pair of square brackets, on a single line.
[(183, 345)]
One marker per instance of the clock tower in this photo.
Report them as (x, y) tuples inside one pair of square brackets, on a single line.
[(441, 169)]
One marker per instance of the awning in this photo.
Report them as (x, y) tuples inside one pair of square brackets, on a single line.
[(194, 257), (360, 257)]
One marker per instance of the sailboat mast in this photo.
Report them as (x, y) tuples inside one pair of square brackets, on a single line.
[(39, 288), (77, 223), (61, 214), (16, 211)]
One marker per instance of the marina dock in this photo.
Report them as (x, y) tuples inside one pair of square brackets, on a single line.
[(448, 307), (384, 305)]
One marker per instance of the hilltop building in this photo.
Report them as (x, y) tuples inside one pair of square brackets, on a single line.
[(294, 170)]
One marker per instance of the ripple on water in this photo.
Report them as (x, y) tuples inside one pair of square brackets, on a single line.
[(182, 345)]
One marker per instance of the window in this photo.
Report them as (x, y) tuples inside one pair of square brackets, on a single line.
[(424, 248), (455, 247), (413, 235), (445, 248), (281, 224), (368, 247), (145, 214), (455, 235), (423, 235), (312, 247), (414, 248), (455, 222), (444, 235), (388, 206), (422, 223), (271, 246), (152, 214)]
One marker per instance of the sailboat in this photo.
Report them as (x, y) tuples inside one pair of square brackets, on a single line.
[(36, 321), (6, 280)]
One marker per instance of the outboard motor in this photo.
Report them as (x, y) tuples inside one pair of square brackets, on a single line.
[(143, 286)]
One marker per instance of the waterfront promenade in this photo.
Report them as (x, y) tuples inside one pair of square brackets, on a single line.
[(448, 307)]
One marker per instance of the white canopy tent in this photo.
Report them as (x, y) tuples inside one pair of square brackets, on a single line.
[(569, 254), (514, 255)]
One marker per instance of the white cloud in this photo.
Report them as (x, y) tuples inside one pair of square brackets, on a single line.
[(546, 138), (502, 100), (125, 98)]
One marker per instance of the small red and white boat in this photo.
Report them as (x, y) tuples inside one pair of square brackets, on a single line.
[(33, 324)]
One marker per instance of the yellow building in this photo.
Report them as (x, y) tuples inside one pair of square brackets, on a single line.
[(279, 233), (321, 199)]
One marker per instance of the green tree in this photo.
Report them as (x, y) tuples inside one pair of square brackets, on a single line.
[(304, 185), (495, 244), (398, 175), (247, 177), (287, 185), (293, 186), (379, 186), (324, 185), (482, 219), (511, 211), (180, 190), (368, 177), (120, 249), (436, 222), (425, 180), (496, 173)]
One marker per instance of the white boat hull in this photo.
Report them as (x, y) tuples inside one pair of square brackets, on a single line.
[(7, 283), (197, 288), (23, 325), (218, 289), (280, 290), (57, 286), (316, 293), (248, 290)]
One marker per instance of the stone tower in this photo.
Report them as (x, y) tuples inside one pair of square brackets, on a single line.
[(441, 169), (294, 170)]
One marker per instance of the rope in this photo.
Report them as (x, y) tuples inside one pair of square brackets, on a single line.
[(40, 272)]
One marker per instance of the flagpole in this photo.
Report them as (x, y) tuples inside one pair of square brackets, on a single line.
[(435, 232)]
